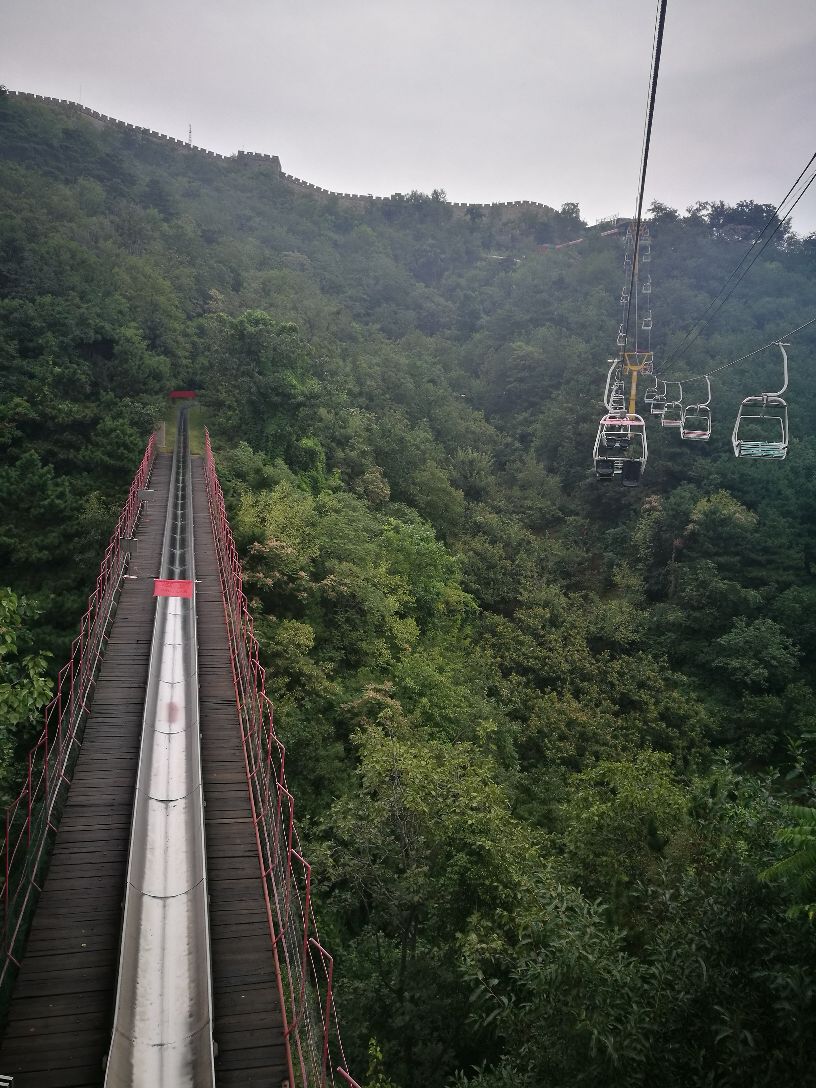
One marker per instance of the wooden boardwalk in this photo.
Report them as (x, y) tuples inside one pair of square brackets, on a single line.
[(248, 1026), (61, 1011)]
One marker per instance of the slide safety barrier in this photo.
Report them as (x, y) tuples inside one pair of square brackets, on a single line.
[(32, 818)]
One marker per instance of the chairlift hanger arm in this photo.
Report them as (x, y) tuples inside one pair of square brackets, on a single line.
[(701, 403), (610, 383), (782, 345)]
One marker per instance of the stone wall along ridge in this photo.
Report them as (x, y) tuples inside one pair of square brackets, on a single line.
[(250, 157)]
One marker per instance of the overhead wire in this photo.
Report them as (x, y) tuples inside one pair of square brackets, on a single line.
[(724, 294), (632, 293), (776, 214), (644, 162), (749, 355)]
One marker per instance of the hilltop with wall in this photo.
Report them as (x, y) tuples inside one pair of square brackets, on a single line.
[(273, 163)]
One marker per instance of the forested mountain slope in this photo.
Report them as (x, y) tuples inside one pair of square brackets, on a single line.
[(541, 728)]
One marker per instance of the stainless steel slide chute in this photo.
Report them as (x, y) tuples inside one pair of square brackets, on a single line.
[(162, 1034)]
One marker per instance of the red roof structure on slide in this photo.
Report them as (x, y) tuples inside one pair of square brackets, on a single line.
[(183, 394), (172, 587)]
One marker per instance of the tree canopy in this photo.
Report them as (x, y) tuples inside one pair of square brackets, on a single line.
[(543, 733)]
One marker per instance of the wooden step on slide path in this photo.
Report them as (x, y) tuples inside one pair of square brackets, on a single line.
[(61, 1013)]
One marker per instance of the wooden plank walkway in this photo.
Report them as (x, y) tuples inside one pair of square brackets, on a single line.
[(61, 1011), (248, 1026)]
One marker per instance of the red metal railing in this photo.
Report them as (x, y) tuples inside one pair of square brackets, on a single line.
[(32, 818), (305, 969)]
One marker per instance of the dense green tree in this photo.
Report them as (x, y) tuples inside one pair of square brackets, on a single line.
[(24, 686), (798, 869), (505, 690)]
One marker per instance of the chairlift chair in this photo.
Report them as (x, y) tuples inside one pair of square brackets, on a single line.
[(652, 392), (604, 468), (656, 398), (621, 448), (612, 377), (695, 424), (647, 321), (631, 472), (617, 399), (616, 435), (645, 248), (672, 414), (765, 419)]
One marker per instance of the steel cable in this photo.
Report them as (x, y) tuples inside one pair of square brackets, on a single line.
[(658, 48), (742, 358), (708, 316)]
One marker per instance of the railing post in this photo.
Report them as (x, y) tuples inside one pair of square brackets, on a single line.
[(45, 772), (324, 955), (6, 890), (28, 799)]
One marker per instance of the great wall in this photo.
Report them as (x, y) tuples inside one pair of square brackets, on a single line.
[(274, 163)]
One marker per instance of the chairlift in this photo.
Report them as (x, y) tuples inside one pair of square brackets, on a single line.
[(646, 286), (647, 321), (621, 448), (615, 395), (620, 444), (656, 398), (672, 414), (695, 424), (631, 472), (761, 428), (621, 337), (614, 381), (616, 435)]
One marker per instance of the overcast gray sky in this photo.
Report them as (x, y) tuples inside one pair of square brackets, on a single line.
[(488, 99)]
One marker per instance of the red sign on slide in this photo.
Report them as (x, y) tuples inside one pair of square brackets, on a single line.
[(172, 587), (183, 394)]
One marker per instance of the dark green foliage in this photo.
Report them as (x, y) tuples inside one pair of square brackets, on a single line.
[(538, 728), (24, 688), (798, 868)]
